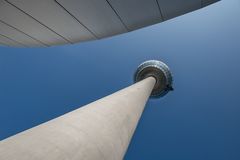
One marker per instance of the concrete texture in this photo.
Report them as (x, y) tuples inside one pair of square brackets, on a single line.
[(101, 130)]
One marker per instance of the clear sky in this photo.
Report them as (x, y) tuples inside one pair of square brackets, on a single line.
[(199, 120)]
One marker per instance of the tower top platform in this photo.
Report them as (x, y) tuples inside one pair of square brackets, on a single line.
[(160, 71)]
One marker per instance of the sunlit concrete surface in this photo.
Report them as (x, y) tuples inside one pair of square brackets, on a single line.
[(101, 130)]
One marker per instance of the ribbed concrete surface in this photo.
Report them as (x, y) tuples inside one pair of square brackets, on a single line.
[(101, 130), (56, 22)]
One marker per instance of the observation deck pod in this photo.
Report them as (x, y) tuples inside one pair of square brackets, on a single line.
[(30, 23), (158, 70)]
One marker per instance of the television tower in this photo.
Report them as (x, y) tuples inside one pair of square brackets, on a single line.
[(101, 130)]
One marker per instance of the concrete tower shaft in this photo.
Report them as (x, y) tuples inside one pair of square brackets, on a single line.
[(101, 130)]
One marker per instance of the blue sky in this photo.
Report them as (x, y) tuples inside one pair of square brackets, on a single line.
[(199, 120)]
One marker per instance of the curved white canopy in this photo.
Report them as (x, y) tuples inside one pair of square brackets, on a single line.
[(29, 23)]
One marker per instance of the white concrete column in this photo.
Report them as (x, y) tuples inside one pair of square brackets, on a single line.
[(101, 130)]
